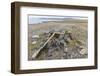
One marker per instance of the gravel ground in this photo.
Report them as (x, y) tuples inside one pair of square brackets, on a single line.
[(74, 48)]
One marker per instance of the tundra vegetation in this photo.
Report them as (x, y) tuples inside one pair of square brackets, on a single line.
[(66, 39)]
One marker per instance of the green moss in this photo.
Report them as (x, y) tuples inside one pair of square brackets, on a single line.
[(73, 43)]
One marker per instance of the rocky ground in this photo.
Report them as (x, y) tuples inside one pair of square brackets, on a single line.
[(72, 44)]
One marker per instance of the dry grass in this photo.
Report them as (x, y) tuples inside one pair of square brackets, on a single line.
[(78, 29)]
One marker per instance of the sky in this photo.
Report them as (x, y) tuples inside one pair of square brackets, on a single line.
[(35, 19)]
